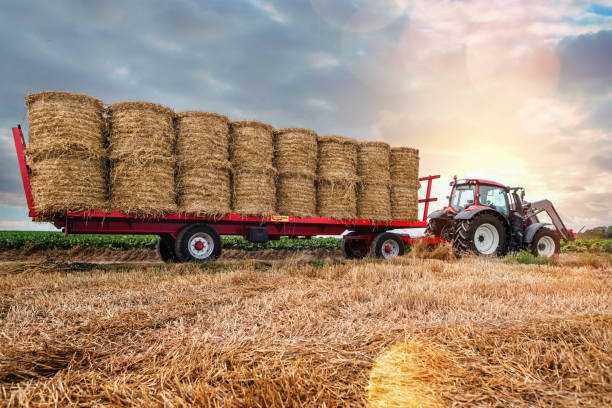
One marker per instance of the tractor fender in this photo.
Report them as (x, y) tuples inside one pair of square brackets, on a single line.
[(531, 231), (443, 213), (469, 214)]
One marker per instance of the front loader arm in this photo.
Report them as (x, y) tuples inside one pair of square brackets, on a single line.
[(546, 205)]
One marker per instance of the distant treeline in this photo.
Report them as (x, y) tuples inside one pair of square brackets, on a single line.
[(597, 232)]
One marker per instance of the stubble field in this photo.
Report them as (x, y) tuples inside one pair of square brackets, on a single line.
[(308, 329)]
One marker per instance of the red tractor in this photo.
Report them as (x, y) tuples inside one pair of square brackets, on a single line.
[(487, 218)]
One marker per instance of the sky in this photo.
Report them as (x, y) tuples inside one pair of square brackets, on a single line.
[(515, 91)]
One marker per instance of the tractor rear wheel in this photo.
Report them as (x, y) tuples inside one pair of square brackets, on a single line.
[(545, 243), (351, 249), (387, 245), (165, 248), (482, 235)]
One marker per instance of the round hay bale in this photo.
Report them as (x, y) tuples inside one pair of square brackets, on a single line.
[(68, 183), (204, 188), (404, 165), (374, 201), (140, 129), (337, 199), (143, 186), (373, 162), (65, 122), (404, 203), (202, 134), (295, 151), (337, 158), (251, 145), (296, 194), (254, 192)]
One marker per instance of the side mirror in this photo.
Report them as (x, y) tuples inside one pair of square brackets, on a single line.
[(448, 197), (452, 183)]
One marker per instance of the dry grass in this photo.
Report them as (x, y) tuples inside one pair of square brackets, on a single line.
[(296, 333)]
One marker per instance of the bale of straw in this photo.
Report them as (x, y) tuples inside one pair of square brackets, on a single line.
[(404, 203), (296, 194), (404, 166), (337, 158), (374, 201), (202, 134), (251, 145), (203, 169), (295, 151), (337, 199), (254, 192), (64, 122), (143, 186), (68, 183), (141, 144), (140, 129), (373, 162)]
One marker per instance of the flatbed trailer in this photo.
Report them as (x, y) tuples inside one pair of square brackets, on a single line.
[(185, 237)]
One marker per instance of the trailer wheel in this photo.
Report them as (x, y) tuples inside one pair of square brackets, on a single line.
[(197, 243), (387, 245), (165, 248), (351, 249), (545, 243)]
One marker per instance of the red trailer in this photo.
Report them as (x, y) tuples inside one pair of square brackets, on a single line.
[(188, 238)]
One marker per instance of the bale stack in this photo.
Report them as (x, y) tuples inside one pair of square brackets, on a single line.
[(374, 195), (295, 158), (404, 164), (66, 152), (337, 177), (203, 167), (142, 159), (251, 157)]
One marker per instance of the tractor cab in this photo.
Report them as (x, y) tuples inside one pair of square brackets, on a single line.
[(472, 194)]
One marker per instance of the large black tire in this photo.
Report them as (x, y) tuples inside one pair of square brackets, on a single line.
[(482, 235), (197, 243), (545, 243), (387, 245), (165, 248), (350, 250), (439, 228)]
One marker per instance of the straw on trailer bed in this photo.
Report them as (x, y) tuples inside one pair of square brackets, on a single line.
[(251, 145), (373, 162), (296, 194), (337, 158), (202, 134), (254, 192), (337, 199), (404, 166), (295, 151), (374, 201), (62, 122), (204, 188), (404, 203)]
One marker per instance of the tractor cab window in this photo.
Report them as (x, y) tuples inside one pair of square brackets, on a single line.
[(494, 197), (463, 197)]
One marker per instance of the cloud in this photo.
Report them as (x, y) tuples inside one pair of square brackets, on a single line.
[(320, 103), (12, 199), (269, 9), (319, 60)]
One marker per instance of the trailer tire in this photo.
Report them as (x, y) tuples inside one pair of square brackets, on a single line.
[(165, 248), (350, 250), (198, 242), (545, 243), (387, 245)]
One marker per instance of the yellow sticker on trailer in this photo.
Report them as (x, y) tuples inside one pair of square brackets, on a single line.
[(279, 218)]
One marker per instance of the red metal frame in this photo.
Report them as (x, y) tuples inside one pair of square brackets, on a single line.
[(116, 222)]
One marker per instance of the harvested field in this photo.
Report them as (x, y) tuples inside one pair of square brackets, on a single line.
[(303, 333)]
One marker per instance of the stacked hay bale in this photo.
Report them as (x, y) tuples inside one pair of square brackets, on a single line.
[(337, 177), (296, 163), (66, 152), (203, 167), (142, 159), (374, 195), (251, 157), (404, 164)]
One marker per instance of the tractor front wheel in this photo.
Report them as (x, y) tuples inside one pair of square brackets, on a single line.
[(545, 243), (482, 235)]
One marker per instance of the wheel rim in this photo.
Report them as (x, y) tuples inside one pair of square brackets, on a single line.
[(389, 248), (486, 239), (546, 246), (201, 245)]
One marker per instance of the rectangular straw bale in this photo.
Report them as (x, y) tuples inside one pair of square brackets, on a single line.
[(296, 195), (337, 199), (404, 203), (254, 192), (295, 151), (374, 201)]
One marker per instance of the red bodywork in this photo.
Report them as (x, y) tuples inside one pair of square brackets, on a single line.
[(116, 222)]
